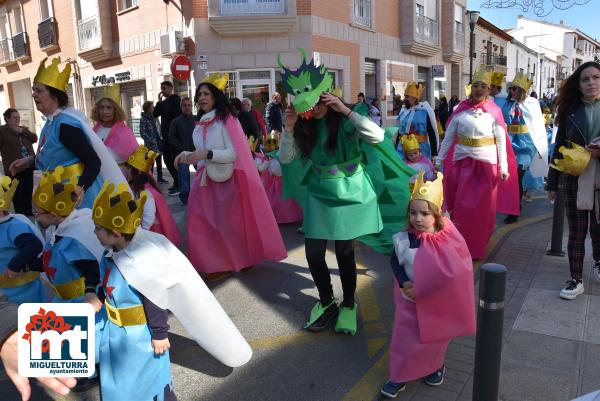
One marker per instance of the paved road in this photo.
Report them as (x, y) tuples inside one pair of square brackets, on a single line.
[(270, 304)]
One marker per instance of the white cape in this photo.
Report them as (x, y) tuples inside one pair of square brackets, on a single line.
[(532, 114), (157, 269), (79, 226), (408, 114), (595, 396)]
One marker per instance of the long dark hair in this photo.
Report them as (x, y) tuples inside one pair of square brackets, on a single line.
[(569, 96), (305, 133), (139, 179), (222, 106)]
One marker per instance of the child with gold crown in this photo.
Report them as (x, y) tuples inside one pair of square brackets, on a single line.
[(21, 245), (134, 345), (415, 159), (431, 266), (156, 216)]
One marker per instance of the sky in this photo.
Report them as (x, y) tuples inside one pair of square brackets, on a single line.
[(584, 17)]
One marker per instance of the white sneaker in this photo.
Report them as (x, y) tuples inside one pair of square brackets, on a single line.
[(572, 289), (596, 270)]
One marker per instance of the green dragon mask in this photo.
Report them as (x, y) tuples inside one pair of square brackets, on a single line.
[(306, 84)]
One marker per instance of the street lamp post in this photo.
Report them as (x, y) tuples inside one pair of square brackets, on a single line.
[(473, 17), (542, 55)]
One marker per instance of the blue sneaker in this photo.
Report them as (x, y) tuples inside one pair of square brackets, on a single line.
[(391, 389), (436, 378)]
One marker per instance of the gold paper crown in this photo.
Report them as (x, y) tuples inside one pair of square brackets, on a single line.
[(409, 143), (415, 90), (8, 187), (497, 78), (575, 160), (468, 90), (218, 80), (55, 193), (522, 81), (50, 75), (337, 92), (482, 75), (252, 143), (113, 92), (431, 191), (272, 141), (142, 159), (119, 217)]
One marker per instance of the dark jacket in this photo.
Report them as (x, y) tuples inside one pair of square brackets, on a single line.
[(149, 132), (273, 117), (575, 130), (10, 144), (180, 133), (167, 109), (250, 125)]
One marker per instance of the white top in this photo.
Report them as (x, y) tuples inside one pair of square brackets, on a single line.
[(103, 132), (149, 213), (475, 123), (217, 140)]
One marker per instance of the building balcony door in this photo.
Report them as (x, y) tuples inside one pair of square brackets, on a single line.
[(256, 85)]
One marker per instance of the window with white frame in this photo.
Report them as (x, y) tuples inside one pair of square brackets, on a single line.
[(18, 23), (125, 4), (459, 18), (362, 12), (250, 7), (46, 10)]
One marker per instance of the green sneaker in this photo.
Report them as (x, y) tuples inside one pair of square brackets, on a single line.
[(321, 316), (346, 321)]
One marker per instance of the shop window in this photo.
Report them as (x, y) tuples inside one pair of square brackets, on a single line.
[(125, 4), (398, 75)]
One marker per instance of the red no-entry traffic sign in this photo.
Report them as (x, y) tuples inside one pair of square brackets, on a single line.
[(181, 67)]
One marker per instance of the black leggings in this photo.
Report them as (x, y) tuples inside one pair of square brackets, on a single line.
[(344, 253)]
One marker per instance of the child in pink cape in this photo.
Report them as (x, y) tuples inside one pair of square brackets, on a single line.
[(157, 216), (111, 128), (415, 159), (433, 291)]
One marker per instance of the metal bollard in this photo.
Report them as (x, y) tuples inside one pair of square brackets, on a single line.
[(490, 319), (558, 222)]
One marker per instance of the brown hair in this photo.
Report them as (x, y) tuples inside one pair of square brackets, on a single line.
[(435, 212), (569, 96), (146, 106), (119, 114), (519, 96)]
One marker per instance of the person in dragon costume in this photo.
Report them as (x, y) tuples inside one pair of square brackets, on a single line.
[(346, 176)]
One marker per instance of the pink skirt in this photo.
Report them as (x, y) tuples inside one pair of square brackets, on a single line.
[(471, 200), (221, 228), (410, 359), (285, 211)]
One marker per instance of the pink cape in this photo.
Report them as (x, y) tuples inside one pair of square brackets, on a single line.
[(164, 224), (285, 211), (444, 306), (508, 201), (230, 224), (120, 140)]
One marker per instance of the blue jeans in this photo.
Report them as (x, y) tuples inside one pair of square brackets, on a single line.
[(183, 173)]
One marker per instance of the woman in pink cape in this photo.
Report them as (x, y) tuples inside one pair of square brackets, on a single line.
[(479, 165), (230, 224), (433, 291), (111, 128)]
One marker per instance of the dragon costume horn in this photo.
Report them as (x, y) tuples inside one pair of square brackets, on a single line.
[(280, 63), (303, 53)]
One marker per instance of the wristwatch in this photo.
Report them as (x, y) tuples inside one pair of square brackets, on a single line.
[(209, 155)]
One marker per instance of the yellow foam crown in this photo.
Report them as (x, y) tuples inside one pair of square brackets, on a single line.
[(118, 217), (409, 143), (575, 160), (218, 80), (431, 191), (113, 92), (497, 78), (522, 81), (51, 76), (142, 159), (56, 192), (482, 75), (272, 141), (414, 89), (252, 143), (8, 187)]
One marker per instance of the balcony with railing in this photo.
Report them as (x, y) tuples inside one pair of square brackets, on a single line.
[(493, 59), (95, 35), (47, 34), (427, 30), (20, 44), (7, 56), (254, 17)]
